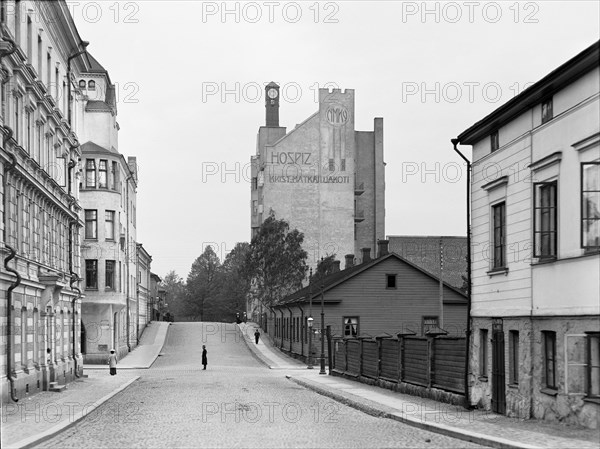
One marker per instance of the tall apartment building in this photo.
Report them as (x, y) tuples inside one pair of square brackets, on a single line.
[(324, 177), (536, 249), (108, 197), (40, 305)]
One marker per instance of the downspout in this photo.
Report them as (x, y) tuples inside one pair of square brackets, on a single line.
[(127, 255), (455, 143), (74, 277), (12, 253)]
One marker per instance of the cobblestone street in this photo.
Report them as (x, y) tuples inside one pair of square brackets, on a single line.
[(236, 402)]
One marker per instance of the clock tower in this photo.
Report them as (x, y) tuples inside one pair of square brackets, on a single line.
[(272, 104)]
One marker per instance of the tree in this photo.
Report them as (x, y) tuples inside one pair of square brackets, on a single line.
[(276, 260), (176, 294), (324, 268), (203, 283), (235, 280)]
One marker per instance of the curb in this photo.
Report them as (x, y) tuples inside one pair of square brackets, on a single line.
[(257, 354), (472, 437), (43, 436)]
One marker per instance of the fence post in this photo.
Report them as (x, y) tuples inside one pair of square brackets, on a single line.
[(379, 349), (429, 360), (345, 355), (400, 358), (329, 354), (360, 358)]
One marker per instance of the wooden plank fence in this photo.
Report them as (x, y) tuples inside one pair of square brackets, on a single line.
[(425, 361)]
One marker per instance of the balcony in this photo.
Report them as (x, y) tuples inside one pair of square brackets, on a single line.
[(359, 216), (359, 189)]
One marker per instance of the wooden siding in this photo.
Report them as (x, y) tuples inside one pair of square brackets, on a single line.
[(390, 359), (448, 364), (370, 358), (414, 361)]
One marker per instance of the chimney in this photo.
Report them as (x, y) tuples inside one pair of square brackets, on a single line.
[(336, 266), (349, 260), (366, 254), (383, 247)]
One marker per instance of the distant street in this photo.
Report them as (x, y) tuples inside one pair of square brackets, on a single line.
[(236, 402)]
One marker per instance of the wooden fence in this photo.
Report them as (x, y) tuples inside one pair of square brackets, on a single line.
[(436, 362)]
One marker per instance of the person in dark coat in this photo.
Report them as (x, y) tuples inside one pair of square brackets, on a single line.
[(204, 360), (256, 336)]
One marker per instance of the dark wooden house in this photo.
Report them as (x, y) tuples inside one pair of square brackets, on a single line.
[(387, 295)]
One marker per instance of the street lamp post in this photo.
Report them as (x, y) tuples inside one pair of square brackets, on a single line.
[(310, 331), (322, 332), (84, 45)]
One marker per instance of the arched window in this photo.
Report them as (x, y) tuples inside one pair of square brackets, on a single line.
[(92, 85), (82, 84)]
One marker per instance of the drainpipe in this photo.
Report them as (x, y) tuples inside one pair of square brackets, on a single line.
[(455, 143), (12, 253), (127, 255), (74, 279), (83, 44)]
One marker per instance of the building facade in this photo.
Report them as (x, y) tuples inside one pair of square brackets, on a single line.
[(536, 249), (144, 295), (108, 196), (323, 177), (40, 308)]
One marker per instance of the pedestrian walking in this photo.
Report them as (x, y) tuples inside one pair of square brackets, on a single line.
[(256, 335), (204, 360), (112, 362)]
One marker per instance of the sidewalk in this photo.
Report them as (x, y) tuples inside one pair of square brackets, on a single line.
[(144, 355), (482, 427), (39, 417)]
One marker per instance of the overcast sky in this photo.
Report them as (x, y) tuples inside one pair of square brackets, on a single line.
[(188, 74)]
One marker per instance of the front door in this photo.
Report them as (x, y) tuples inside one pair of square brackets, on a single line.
[(498, 377)]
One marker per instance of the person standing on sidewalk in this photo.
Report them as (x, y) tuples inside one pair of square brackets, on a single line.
[(256, 336), (112, 362), (204, 360)]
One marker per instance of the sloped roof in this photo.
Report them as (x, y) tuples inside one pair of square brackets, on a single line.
[(95, 66), (98, 106), (338, 277), (424, 251), (91, 147)]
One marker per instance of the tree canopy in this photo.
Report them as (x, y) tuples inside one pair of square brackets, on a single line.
[(276, 260)]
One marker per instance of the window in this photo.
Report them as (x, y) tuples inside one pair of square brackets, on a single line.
[(390, 281), (109, 225), (91, 274), (547, 110), (428, 323), (39, 56), (351, 326), (343, 168), (90, 173), (28, 131), (16, 122), (545, 219), (109, 275), (549, 359), (513, 362), (91, 224), (103, 174), (56, 93), (113, 176), (29, 38), (499, 235), (593, 365), (48, 71), (590, 205), (92, 85), (494, 141), (331, 165), (82, 84), (254, 183), (483, 352)]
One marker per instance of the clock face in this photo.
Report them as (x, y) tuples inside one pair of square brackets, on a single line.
[(272, 93)]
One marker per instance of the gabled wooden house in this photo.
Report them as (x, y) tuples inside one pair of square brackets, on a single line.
[(386, 295)]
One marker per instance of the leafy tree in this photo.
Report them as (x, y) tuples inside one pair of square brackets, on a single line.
[(324, 268), (276, 260), (235, 280), (203, 284), (176, 294)]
